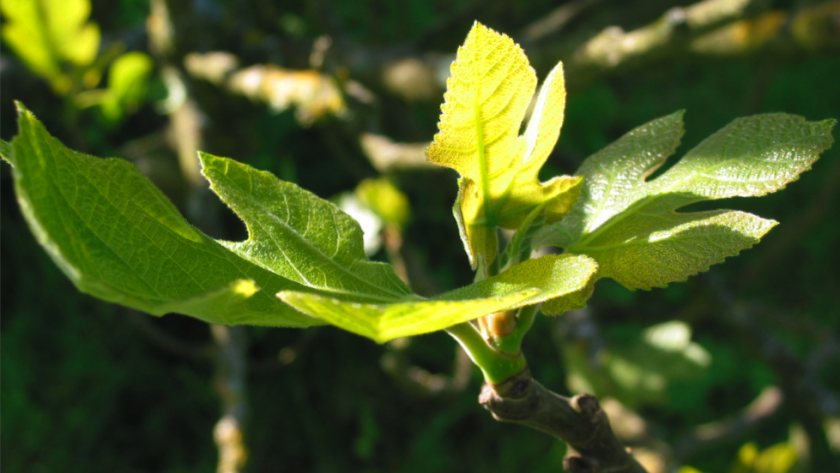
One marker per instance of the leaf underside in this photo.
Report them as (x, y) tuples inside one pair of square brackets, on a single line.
[(487, 96), (631, 226), (531, 282)]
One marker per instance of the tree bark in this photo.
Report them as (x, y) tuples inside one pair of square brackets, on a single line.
[(579, 421)]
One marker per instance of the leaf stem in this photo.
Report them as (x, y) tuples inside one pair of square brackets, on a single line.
[(497, 366)]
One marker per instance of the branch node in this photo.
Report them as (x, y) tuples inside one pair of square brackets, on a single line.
[(588, 405)]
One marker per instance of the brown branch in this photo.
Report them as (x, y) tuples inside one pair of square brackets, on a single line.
[(578, 421), (553, 22), (613, 49)]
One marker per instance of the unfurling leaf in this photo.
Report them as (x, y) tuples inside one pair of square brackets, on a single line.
[(487, 96), (631, 227)]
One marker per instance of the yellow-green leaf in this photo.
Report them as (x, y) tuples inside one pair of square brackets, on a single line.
[(528, 283), (44, 33), (487, 96), (631, 225), (383, 197), (127, 83)]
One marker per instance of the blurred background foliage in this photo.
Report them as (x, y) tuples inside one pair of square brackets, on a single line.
[(734, 370)]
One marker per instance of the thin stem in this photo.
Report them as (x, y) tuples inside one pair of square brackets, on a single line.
[(496, 365)]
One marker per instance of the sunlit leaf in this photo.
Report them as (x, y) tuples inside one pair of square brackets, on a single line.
[(44, 33), (295, 234), (528, 283), (631, 227), (127, 81), (383, 197), (117, 237), (487, 96), (779, 458)]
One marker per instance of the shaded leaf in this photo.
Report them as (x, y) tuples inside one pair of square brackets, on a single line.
[(519, 247), (631, 227), (487, 96)]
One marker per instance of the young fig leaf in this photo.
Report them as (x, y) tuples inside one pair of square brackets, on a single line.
[(631, 226), (299, 236), (117, 237), (487, 96), (528, 283), (45, 33)]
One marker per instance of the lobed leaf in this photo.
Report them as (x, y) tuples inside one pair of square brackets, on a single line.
[(487, 96), (117, 237), (631, 227), (528, 283), (299, 236)]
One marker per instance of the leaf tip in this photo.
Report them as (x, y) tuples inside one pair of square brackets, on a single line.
[(20, 107), (204, 159), (24, 114), (207, 161)]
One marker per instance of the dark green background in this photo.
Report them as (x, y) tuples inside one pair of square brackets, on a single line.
[(84, 390)]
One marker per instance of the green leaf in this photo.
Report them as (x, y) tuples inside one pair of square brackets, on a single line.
[(299, 236), (571, 301), (385, 199), (44, 33), (487, 96), (127, 82), (519, 247), (117, 237), (528, 283), (7, 152), (631, 226), (779, 458)]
